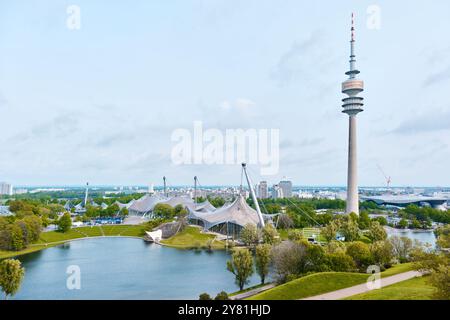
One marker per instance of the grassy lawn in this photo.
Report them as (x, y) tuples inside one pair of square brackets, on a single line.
[(306, 232), (312, 285), (52, 238), (191, 238), (412, 289), (398, 268), (323, 282)]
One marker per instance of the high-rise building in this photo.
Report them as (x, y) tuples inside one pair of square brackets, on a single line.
[(6, 188), (277, 192), (263, 191), (286, 187), (352, 106)]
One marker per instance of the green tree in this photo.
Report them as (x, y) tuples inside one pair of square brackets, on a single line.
[(364, 220), (64, 223), (269, 234), (204, 296), (241, 265), (262, 260), (382, 252), (11, 276), (376, 232), (349, 228), (222, 296), (341, 262), (360, 253), (163, 210), (403, 223), (329, 232), (249, 235), (295, 235)]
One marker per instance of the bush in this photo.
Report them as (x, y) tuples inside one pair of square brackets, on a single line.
[(295, 235), (360, 253), (341, 262)]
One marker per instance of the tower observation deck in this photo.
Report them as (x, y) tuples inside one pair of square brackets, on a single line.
[(352, 87), (352, 105)]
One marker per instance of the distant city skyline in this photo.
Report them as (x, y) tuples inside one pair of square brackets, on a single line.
[(99, 104)]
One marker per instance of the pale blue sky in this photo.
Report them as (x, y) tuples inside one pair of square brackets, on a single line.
[(100, 103)]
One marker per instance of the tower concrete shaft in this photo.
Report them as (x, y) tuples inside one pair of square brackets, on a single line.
[(352, 173), (352, 106)]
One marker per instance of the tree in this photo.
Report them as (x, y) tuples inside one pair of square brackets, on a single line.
[(262, 260), (436, 265), (360, 253), (285, 222), (222, 296), (382, 252), (241, 265), (287, 258), (401, 247), (11, 276), (329, 232), (341, 262), (249, 235), (376, 232), (163, 210), (364, 220), (269, 234), (443, 236), (64, 223), (295, 235), (403, 223), (349, 228), (204, 296)]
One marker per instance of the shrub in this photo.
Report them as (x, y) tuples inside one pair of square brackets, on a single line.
[(360, 253)]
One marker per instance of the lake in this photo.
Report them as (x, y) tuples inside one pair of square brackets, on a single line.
[(424, 236), (125, 268)]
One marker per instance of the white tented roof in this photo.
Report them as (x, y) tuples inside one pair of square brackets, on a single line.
[(238, 212), (180, 200), (146, 203)]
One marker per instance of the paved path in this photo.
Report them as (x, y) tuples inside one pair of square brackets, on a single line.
[(362, 288), (250, 293)]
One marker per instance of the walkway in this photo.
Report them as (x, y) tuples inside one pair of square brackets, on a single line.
[(252, 292), (362, 288)]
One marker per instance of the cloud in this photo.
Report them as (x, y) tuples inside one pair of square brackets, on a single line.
[(437, 77), (435, 120), (297, 60)]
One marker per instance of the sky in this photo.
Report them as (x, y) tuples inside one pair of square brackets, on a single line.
[(100, 103)]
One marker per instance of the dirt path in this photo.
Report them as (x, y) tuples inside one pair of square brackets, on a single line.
[(362, 288)]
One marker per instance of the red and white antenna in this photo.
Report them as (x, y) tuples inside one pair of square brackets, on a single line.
[(353, 26)]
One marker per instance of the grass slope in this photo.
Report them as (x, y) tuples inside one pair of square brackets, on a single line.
[(311, 285), (412, 289), (192, 237), (52, 238), (323, 282)]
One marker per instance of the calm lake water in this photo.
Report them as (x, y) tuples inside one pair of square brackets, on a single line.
[(125, 268), (424, 236)]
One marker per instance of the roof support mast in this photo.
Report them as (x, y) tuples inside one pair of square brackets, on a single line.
[(252, 192), (86, 194)]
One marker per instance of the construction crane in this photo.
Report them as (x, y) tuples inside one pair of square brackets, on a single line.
[(388, 179)]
